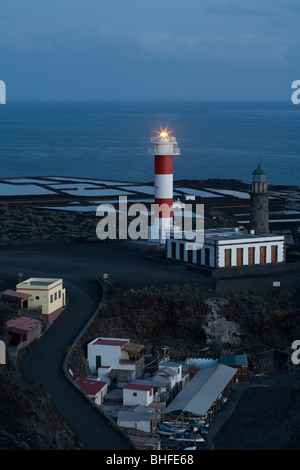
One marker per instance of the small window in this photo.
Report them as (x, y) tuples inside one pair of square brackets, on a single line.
[(59, 294), (134, 394), (55, 296), (51, 299), (37, 297)]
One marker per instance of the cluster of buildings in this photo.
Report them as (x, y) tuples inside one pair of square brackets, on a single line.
[(178, 392), (36, 300), (218, 248), (175, 391)]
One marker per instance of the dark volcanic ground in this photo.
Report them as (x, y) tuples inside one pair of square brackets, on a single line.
[(266, 417), (27, 418)]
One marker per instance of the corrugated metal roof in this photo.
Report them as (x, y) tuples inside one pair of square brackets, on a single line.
[(160, 380), (201, 392), (136, 416), (167, 371)]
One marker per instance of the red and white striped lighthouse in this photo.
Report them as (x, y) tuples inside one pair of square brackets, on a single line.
[(165, 147)]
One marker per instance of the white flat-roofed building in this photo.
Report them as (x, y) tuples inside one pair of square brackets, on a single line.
[(168, 374), (227, 247), (175, 366), (115, 354), (140, 418), (137, 394), (105, 352)]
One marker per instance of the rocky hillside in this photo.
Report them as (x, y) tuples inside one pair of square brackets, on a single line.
[(195, 321), (27, 419)]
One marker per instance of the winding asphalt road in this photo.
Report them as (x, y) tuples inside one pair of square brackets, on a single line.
[(80, 265)]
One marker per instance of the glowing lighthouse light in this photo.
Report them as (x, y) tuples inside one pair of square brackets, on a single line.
[(163, 134), (164, 148)]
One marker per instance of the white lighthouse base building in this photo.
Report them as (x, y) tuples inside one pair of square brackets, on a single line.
[(228, 247), (160, 230)]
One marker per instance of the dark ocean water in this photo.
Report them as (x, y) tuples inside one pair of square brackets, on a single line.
[(110, 140)]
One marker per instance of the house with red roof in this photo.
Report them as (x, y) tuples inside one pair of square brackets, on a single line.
[(22, 331), (137, 394), (95, 389), (20, 299)]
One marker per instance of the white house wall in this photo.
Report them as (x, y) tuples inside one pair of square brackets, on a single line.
[(142, 397), (139, 425), (2, 352), (205, 245), (177, 369), (100, 395), (110, 355)]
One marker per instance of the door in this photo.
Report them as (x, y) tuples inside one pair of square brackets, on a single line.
[(274, 254), (207, 256), (263, 254), (228, 257), (239, 256), (199, 256), (98, 361), (173, 250), (190, 256), (181, 251), (251, 255)]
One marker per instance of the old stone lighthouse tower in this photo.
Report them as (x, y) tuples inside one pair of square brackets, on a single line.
[(259, 205)]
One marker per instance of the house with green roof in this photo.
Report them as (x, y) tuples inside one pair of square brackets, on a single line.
[(239, 362)]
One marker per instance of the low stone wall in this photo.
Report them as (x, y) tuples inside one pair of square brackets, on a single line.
[(261, 362), (254, 270), (262, 284), (269, 361)]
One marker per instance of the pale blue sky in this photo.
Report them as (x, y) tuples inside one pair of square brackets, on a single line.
[(142, 49)]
